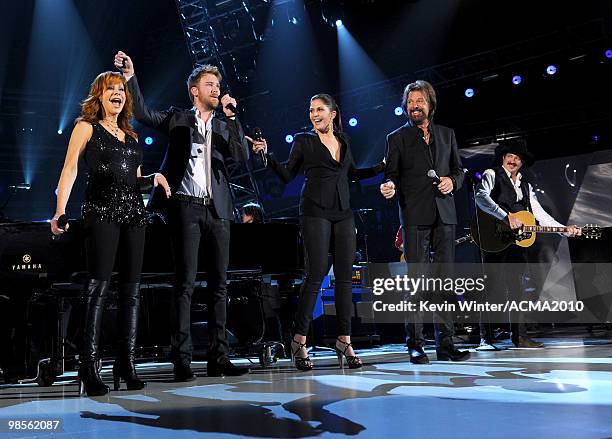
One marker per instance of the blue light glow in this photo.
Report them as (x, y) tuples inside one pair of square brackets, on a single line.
[(398, 111), (148, 140), (469, 92), (551, 69), (289, 138), (517, 79), (353, 121), (339, 23)]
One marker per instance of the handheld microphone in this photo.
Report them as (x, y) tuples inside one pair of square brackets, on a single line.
[(258, 135), (62, 221), (434, 176), (231, 107)]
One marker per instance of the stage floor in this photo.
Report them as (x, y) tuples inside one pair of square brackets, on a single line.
[(563, 390)]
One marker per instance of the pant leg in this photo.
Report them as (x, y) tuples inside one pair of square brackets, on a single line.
[(443, 245), (316, 234), (417, 240), (217, 246), (343, 251), (101, 242), (131, 251), (185, 221)]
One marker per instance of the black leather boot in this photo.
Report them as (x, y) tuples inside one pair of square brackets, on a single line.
[(93, 304), (129, 306)]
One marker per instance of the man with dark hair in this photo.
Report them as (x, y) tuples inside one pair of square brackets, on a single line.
[(252, 213), (502, 192), (417, 153), (200, 208)]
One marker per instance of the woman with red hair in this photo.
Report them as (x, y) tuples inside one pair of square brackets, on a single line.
[(114, 219)]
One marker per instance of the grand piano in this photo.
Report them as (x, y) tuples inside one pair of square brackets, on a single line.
[(32, 262)]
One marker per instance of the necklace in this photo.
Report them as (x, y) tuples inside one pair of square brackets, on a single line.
[(112, 126)]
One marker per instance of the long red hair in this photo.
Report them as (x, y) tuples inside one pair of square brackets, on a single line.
[(92, 110)]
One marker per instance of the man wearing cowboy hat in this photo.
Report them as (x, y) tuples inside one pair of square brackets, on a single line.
[(502, 192)]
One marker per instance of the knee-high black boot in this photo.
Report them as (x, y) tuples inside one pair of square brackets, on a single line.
[(93, 301), (124, 369)]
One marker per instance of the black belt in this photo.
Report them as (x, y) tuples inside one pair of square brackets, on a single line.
[(202, 201)]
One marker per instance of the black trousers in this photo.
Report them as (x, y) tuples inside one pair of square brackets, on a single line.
[(320, 236), (190, 224), (505, 279), (103, 240), (424, 244)]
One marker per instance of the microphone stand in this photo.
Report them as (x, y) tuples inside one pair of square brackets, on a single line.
[(482, 263)]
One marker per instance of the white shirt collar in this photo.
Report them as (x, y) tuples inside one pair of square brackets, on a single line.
[(509, 174)]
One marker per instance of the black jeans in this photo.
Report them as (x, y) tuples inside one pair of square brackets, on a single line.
[(320, 235), (419, 244), (506, 282), (191, 223), (103, 240)]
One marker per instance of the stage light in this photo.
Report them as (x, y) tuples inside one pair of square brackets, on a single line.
[(60, 131), (517, 79), (339, 23), (289, 138), (353, 121), (398, 111), (293, 20), (469, 92), (608, 53), (551, 69), (148, 140)]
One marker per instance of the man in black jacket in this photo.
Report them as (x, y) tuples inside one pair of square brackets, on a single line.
[(200, 207), (424, 169)]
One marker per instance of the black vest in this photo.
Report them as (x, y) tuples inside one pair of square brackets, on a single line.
[(504, 195)]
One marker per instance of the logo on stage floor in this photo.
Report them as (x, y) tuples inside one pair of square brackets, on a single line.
[(27, 264)]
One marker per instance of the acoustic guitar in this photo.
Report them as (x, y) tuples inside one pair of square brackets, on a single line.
[(493, 235)]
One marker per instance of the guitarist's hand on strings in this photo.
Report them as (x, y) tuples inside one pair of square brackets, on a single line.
[(514, 222), (572, 231)]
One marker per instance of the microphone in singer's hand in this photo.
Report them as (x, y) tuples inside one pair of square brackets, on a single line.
[(231, 107), (434, 176), (258, 135), (62, 221)]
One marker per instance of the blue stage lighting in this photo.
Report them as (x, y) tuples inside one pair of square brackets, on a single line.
[(353, 121), (469, 92), (551, 69), (339, 23), (608, 53), (517, 79), (148, 140), (398, 111), (60, 131), (289, 138)]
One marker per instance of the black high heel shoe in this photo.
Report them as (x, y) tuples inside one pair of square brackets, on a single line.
[(300, 363), (90, 383), (126, 371), (353, 361)]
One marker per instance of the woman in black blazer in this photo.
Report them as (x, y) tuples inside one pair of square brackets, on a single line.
[(326, 220)]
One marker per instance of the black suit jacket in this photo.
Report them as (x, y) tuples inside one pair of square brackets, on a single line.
[(325, 177), (227, 142), (407, 166)]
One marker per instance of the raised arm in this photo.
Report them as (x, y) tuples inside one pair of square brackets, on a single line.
[(363, 173), (142, 113), (76, 146)]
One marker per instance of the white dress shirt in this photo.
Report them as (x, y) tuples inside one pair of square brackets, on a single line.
[(198, 175), (486, 203)]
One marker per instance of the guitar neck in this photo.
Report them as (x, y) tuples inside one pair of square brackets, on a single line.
[(544, 229)]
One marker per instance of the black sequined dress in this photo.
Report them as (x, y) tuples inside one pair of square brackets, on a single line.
[(113, 193)]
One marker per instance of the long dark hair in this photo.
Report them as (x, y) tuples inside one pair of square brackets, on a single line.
[(331, 104)]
